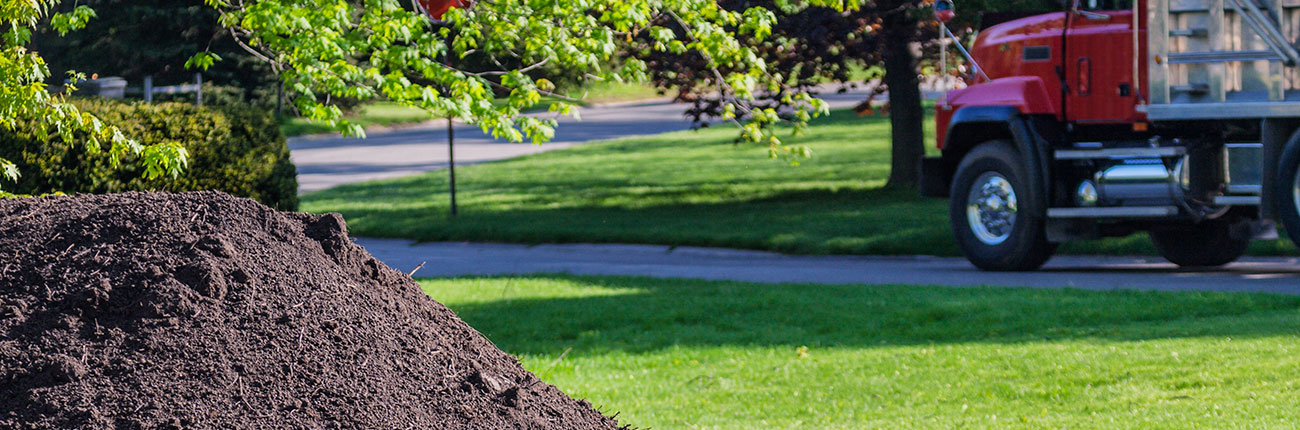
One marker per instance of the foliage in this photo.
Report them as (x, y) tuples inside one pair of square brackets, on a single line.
[(326, 49), (329, 50), (25, 99), (236, 150), (678, 353), (138, 38), (811, 45), (226, 95)]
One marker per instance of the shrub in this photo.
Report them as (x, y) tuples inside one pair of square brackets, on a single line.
[(236, 150), (228, 96)]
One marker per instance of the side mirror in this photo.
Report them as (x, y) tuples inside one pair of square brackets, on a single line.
[(944, 10)]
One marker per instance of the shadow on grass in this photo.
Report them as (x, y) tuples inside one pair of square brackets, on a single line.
[(812, 222), (645, 314)]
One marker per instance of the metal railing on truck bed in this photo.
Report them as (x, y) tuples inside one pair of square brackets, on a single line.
[(1215, 59)]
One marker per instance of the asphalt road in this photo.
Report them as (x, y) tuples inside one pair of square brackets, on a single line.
[(1275, 275), (326, 161)]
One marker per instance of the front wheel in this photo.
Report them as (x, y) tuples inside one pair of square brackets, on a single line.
[(998, 222)]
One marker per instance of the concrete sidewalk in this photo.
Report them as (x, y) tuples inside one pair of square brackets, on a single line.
[(1277, 275)]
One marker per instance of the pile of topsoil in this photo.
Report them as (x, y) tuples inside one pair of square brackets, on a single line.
[(201, 310)]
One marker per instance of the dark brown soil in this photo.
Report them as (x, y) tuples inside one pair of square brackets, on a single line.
[(201, 310)]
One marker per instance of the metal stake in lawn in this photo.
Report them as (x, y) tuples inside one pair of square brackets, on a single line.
[(451, 162)]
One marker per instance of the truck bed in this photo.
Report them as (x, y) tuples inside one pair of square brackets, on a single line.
[(1216, 59)]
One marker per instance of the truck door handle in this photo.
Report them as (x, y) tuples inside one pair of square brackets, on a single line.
[(1083, 81)]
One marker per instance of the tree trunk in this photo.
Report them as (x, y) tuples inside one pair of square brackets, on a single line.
[(905, 113)]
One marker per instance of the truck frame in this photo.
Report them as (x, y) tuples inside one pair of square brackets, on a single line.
[(1179, 118)]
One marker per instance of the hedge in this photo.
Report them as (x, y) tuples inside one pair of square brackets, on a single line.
[(236, 150)]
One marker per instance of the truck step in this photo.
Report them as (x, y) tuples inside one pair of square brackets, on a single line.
[(1119, 153), (1114, 212)]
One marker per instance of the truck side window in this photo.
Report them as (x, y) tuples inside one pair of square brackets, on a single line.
[(1106, 4)]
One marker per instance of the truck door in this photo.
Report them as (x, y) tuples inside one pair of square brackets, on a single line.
[(1099, 62)]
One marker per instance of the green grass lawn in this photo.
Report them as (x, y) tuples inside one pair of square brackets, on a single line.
[(680, 354), (683, 188), (390, 114)]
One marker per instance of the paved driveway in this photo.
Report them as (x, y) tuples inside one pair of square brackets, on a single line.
[(1277, 275)]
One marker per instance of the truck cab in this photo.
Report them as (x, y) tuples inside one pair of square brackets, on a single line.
[(1176, 118)]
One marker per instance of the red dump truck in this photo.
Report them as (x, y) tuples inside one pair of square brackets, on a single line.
[(1178, 118)]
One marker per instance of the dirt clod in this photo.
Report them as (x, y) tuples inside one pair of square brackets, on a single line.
[(201, 310)]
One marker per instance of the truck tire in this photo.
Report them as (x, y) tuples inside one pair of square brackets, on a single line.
[(1208, 244), (1287, 189), (998, 222)]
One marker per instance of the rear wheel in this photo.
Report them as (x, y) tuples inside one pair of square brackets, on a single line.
[(1287, 193), (998, 222), (1208, 244)]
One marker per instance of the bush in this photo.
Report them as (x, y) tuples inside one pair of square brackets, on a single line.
[(236, 150), (227, 96)]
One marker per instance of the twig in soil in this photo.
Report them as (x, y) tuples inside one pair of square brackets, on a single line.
[(204, 215), (243, 398), (416, 269), (79, 254)]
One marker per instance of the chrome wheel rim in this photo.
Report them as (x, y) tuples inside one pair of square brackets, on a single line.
[(991, 208)]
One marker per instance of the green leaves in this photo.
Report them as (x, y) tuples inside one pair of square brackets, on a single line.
[(164, 159), (23, 93), (365, 50), (75, 20), (202, 60), (17, 36), (758, 22), (376, 49), (8, 170)]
